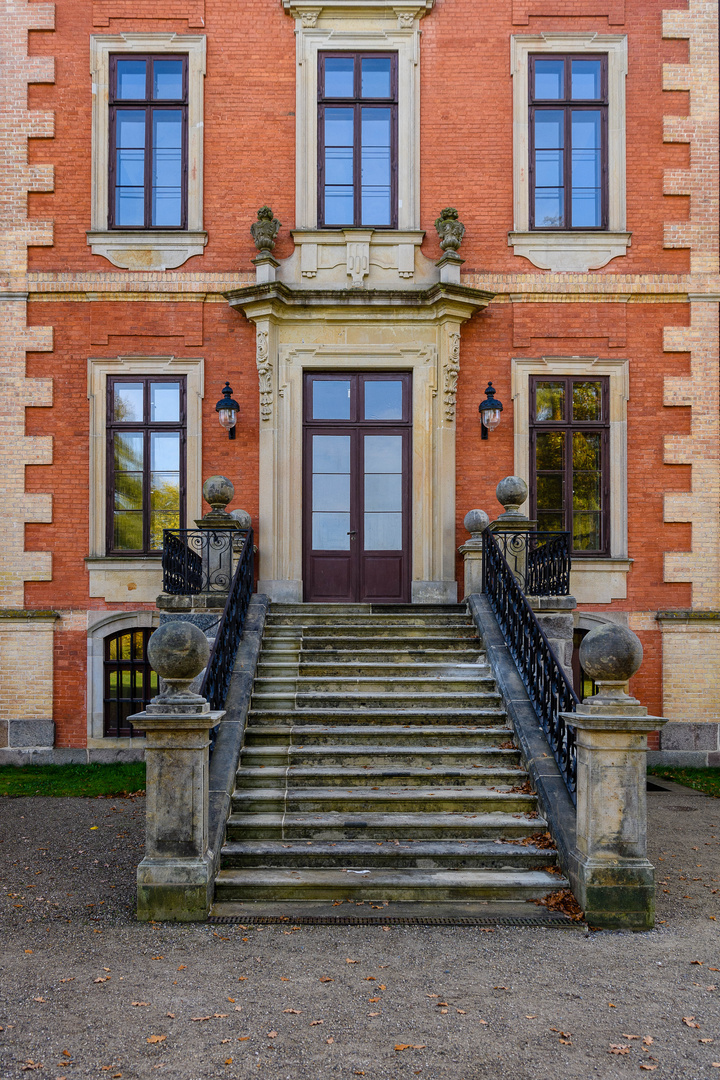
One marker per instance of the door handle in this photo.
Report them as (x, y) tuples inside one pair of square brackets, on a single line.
[(353, 532)]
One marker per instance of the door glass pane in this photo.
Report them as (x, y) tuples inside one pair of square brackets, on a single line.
[(165, 401), (331, 399), (331, 492), (167, 168), (128, 401), (383, 453), (339, 76), (131, 80), (586, 79), (331, 453), (549, 79), (587, 401), (383, 519), (550, 401), (376, 76), (376, 166), (167, 79), (383, 400)]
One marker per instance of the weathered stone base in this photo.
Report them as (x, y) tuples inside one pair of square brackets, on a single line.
[(282, 591), (69, 755), (176, 890), (433, 592), (615, 898), (688, 745), (23, 733)]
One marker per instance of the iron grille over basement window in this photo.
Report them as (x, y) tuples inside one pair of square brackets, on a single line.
[(357, 140), (130, 682)]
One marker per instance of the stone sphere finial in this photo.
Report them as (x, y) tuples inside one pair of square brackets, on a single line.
[(476, 521), (611, 653), (243, 519), (178, 651), (218, 491), (511, 494)]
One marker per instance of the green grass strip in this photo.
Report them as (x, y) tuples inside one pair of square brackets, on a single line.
[(72, 780), (705, 780)]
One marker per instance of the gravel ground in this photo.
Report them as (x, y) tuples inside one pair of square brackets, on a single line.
[(88, 992)]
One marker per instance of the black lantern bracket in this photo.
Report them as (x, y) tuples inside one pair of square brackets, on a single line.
[(489, 411), (228, 409)]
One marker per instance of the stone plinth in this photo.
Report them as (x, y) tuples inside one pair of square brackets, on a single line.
[(555, 615), (476, 521)]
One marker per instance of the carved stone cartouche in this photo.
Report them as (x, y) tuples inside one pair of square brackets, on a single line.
[(265, 229), (450, 229)]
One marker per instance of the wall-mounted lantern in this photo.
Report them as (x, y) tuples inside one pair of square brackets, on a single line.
[(490, 411), (227, 409)]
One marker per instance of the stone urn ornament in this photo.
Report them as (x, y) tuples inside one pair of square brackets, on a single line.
[(265, 230), (476, 521), (450, 229), (178, 652), (511, 493)]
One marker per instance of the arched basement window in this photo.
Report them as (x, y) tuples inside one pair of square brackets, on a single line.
[(129, 682)]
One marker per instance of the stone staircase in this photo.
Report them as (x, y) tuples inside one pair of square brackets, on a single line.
[(378, 765)]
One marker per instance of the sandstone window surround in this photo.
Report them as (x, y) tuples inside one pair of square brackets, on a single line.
[(358, 26), (106, 624), (150, 248), (594, 579), (573, 251), (132, 578)]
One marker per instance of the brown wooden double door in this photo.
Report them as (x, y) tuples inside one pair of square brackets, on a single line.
[(357, 485)]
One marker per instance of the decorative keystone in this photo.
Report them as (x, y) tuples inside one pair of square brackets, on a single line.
[(178, 651), (265, 229), (476, 521), (511, 494), (611, 654), (450, 229)]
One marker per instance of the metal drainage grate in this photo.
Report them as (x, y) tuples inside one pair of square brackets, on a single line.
[(556, 922)]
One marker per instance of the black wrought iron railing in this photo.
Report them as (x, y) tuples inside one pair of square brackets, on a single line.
[(540, 561), (549, 689), (197, 560), (216, 683)]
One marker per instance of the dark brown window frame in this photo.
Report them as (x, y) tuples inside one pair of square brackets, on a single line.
[(146, 427), (357, 102), (148, 103), (567, 105), (569, 425), (113, 726)]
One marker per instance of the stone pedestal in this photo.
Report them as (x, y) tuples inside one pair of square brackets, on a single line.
[(555, 615), (616, 882), (472, 553)]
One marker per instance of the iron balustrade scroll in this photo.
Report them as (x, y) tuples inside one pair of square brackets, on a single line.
[(549, 689), (540, 561), (197, 560), (216, 682)]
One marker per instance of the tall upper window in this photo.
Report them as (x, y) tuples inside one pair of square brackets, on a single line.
[(146, 461), (148, 142), (357, 139), (568, 142), (569, 441)]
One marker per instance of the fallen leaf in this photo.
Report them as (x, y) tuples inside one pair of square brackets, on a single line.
[(233, 1000), (689, 1021), (182, 967), (444, 1003), (171, 1015), (284, 978), (383, 986), (461, 1011), (272, 1034), (373, 1001), (705, 1040), (565, 1042), (70, 979), (326, 978), (196, 1019), (241, 978), (611, 1006), (429, 995), (314, 1022), (156, 1038), (220, 1016), (330, 1040), (243, 1038), (31, 1065), (410, 1046), (103, 978), (615, 1049), (358, 1073), (352, 961), (697, 961), (28, 950), (228, 1061), (45, 999), (483, 1022), (373, 1014), (139, 1002), (648, 1040), (630, 1036), (648, 1068), (295, 1012)]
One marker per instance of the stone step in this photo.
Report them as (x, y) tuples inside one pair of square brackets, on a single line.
[(370, 699), (387, 799), (316, 636), (369, 608), (378, 756), (408, 657), (489, 716), (342, 685), (496, 777), (399, 619), (373, 825), (423, 854), (385, 884), (449, 668), (405, 738)]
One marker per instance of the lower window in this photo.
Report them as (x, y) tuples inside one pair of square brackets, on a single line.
[(569, 459), (129, 681)]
